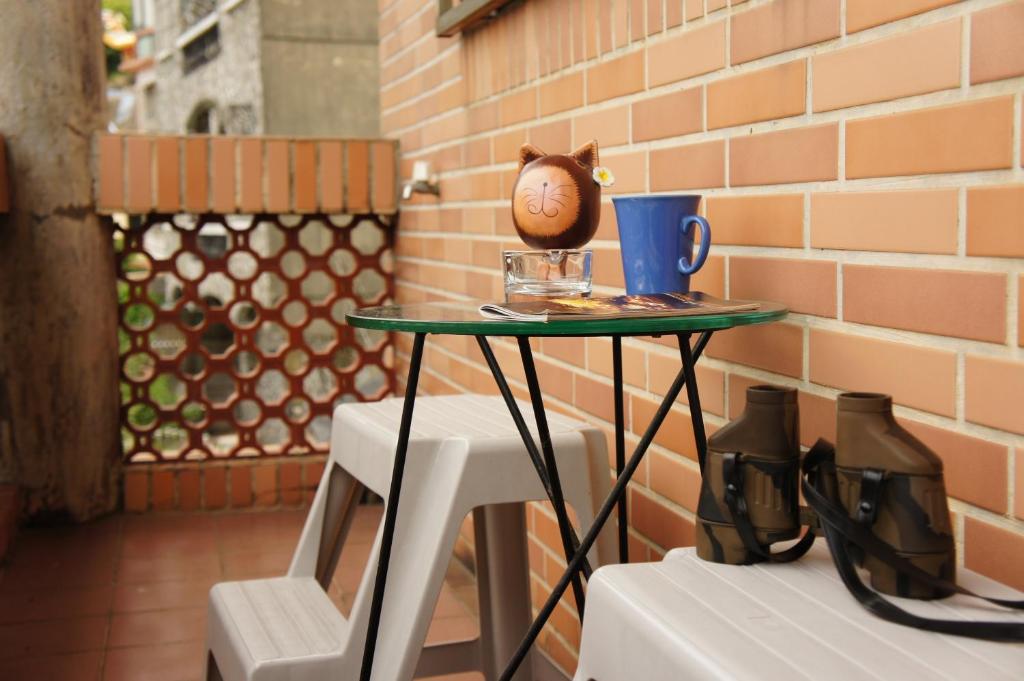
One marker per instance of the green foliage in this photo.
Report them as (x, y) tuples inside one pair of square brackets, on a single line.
[(121, 7)]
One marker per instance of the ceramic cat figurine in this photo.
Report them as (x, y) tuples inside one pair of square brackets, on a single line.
[(556, 202)]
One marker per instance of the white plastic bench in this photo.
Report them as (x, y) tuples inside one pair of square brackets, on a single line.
[(684, 618)]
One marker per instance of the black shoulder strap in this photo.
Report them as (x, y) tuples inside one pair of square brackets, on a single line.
[(732, 474), (840, 529)]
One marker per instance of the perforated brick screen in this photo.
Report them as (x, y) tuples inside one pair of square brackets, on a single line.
[(232, 334)]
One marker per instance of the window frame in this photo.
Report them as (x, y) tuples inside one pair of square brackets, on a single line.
[(452, 20)]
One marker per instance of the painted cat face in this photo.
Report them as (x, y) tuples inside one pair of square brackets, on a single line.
[(555, 202)]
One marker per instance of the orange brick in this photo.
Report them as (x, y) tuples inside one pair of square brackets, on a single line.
[(264, 484), (304, 176), (775, 92), (711, 277), (994, 390), (1018, 495), (1020, 311), (688, 167), (110, 152), (662, 371), (673, 14), (995, 221), (879, 71), (861, 14), (222, 174), (188, 489), (694, 9), (630, 172), (637, 30), (610, 127), (761, 220), (567, 349), (654, 17), (561, 94), (961, 137), (506, 146), (616, 77), (168, 174), (594, 397), (139, 161), (196, 174), (692, 53), (163, 490), (782, 25), (241, 486), (251, 168), (677, 113), (599, 361), (975, 470), (665, 527), (807, 286), (553, 138), (773, 347), (674, 480), (215, 494), (903, 221), (519, 106), (945, 302), (996, 38), (799, 155), (993, 551), (917, 377), (136, 491)]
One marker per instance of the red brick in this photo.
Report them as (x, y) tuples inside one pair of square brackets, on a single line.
[(994, 551), (861, 14), (946, 139), (782, 25), (994, 393), (711, 277), (902, 221), (671, 115), (136, 491), (691, 53), (594, 397), (674, 480), (806, 286), (945, 302), (757, 220), (775, 92), (610, 127), (773, 347), (616, 77), (915, 376), (168, 174), (241, 486), (688, 167), (798, 155), (997, 34), (975, 470), (163, 490), (139, 162), (196, 174), (264, 484), (215, 492), (110, 152), (880, 70), (995, 221), (188, 489)]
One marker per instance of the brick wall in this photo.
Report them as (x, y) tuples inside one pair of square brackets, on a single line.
[(861, 162)]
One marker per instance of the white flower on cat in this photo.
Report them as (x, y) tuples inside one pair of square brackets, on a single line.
[(603, 176)]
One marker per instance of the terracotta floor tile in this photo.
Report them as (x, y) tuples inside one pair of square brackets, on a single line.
[(169, 662), (72, 571), (161, 595), (50, 637), (48, 604), (157, 626), (174, 568), (73, 667)]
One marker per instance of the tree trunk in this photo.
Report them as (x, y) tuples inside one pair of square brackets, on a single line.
[(58, 308)]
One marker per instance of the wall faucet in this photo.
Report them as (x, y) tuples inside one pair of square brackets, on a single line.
[(423, 181)]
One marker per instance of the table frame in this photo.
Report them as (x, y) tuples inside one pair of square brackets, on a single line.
[(544, 461)]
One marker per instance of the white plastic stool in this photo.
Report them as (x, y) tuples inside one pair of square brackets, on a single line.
[(684, 618), (464, 455)]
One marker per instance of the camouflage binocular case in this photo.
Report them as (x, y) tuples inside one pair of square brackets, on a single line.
[(886, 480)]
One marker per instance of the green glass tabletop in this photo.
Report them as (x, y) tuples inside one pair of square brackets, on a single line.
[(464, 318)]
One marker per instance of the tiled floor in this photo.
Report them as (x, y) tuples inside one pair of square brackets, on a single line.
[(124, 598)]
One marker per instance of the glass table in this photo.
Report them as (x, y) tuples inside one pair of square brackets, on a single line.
[(463, 318)]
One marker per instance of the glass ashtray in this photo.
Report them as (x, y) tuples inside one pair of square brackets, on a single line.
[(550, 274)]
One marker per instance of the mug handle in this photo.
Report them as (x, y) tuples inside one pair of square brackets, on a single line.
[(705, 243)]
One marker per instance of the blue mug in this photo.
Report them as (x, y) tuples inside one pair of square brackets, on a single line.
[(656, 234)]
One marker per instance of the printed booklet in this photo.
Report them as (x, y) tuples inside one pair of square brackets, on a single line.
[(614, 307)]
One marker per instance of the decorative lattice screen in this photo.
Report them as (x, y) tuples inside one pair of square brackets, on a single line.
[(232, 334)]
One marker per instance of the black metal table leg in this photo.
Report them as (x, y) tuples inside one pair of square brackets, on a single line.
[(557, 498), (693, 397), (391, 509), (620, 447), (689, 358)]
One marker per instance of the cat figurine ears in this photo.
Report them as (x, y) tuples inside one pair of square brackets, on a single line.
[(586, 155)]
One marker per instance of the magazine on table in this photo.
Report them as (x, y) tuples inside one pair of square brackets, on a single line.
[(614, 307)]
